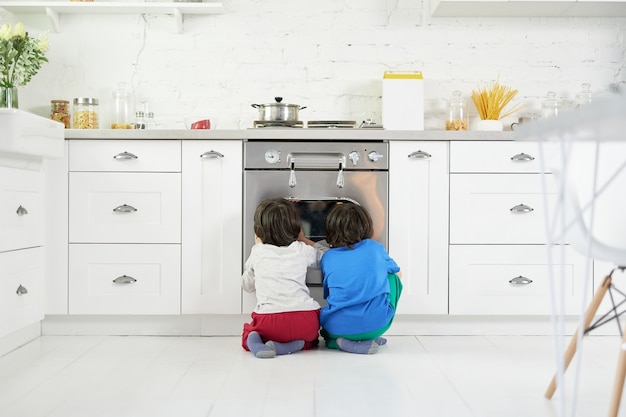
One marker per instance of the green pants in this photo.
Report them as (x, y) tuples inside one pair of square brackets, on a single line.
[(395, 289)]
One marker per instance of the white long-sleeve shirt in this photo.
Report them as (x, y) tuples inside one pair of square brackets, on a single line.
[(278, 275)]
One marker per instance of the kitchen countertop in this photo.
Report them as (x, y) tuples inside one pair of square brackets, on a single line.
[(288, 134)]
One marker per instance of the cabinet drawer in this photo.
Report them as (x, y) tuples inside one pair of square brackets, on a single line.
[(493, 156), (124, 279), (125, 155), (21, 202), (480, 279), (499, 208), (21, 296), (124, 207)]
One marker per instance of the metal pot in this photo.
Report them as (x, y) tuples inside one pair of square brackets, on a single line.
[(278, 112)]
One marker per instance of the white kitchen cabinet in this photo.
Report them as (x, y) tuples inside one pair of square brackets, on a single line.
[(124, 227), (499, 204), (124, 279), (21, 253), (518, 8), (21, 208), (21, 289), (514, 279), (418, 223), (55, 9), (211, 227)]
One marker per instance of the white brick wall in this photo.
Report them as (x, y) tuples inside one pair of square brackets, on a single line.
[(328, 55)]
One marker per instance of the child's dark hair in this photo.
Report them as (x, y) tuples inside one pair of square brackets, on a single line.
[(276, 222), (347, 224)]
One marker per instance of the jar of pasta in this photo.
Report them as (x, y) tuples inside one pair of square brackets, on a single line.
[(457, 112), (60, 112), (86, 113)]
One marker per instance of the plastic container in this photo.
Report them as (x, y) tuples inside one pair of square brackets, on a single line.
[(121, 114), (550, 106), (457, 113), (86, 113), (60, 112)]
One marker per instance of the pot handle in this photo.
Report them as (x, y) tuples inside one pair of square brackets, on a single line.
[(256, 106)]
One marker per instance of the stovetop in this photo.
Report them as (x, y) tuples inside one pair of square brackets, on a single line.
[(314, 124)]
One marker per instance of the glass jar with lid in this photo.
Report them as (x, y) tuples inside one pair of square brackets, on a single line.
[(86, 113), (60, 112), (457, 112), (550, 105), (584, 96), (121, 111)]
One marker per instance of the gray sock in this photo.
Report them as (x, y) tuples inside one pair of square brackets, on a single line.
[(285, 348), (258, 348), (363, 347)]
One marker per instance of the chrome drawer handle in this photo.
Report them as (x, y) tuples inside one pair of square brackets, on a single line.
[(420, 155), (125, 155), (520, 281), (21, 211), (522, 157), (211, 154), (124, 279), (522, 208), (21, 290), (125, 208)]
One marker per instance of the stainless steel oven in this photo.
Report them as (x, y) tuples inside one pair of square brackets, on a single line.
[(316, 175)]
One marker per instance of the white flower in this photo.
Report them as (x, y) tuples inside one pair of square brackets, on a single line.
[(5, 31), (21, 56)]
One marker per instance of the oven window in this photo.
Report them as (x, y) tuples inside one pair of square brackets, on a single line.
[(313, 214)]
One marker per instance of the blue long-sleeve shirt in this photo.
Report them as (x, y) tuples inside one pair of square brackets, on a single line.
[(356, 288)]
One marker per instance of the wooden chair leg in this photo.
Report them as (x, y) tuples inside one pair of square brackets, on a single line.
[(589, 315), (620, 374)]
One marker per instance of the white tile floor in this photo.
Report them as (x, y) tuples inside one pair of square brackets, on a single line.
[(438, 376)]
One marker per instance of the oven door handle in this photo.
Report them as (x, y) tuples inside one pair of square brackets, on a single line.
[(292, 173), (340, 182)]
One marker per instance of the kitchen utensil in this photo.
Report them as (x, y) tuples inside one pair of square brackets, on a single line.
[(199, 122), (278, 111)]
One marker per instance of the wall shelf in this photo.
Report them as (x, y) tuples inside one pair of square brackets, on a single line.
[(54, 9), (528, 8)]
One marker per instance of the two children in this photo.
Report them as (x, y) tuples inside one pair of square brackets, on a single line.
[(361, 283)]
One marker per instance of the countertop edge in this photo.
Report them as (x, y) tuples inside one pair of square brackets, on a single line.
[(289, 134)]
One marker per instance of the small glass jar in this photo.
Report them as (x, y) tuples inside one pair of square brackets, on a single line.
[(584, 96), (457, 113), (60, 112), (550, 106), (86, 113), (121, 111)]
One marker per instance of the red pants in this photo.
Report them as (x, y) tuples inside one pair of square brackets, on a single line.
[(285, 327)]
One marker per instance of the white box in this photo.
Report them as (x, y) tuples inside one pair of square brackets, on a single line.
[(403, 100)]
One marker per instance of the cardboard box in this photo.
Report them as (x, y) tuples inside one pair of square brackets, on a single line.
[(403, 100)]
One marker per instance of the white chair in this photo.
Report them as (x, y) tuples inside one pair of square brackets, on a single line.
[(590, 166)]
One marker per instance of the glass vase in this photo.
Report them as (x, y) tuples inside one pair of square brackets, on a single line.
[(8, 97)]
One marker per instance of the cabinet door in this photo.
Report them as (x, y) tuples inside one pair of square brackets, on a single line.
[(124, 207), (418, 224), (21, 212), (516, 279), (21, 289), (500, 208), (124, 279), (211, 227)]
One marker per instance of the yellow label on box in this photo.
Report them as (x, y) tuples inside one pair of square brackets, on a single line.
[(403, 75)]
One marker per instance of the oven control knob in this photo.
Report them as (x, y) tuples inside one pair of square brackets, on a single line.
[(374, 156), (272, 156), (354, 157)]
